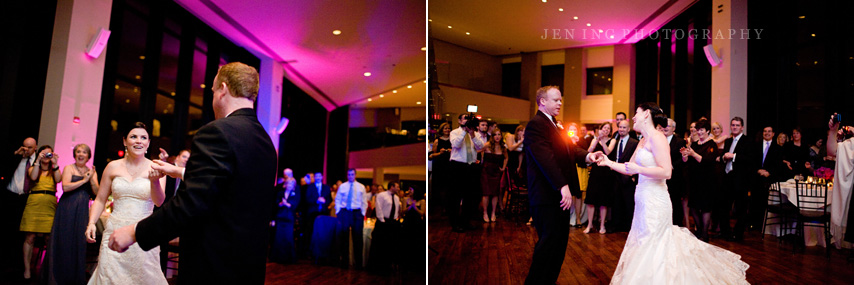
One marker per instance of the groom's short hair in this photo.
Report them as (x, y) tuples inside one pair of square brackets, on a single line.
[(241, 79), (541, 93)]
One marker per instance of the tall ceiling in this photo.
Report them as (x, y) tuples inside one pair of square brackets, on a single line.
[(384, 38), (504, 27)]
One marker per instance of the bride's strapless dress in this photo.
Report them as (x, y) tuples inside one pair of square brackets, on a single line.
[(657, 252), (131, 203)]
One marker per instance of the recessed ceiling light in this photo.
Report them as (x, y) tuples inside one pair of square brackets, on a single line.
[(467, 33), (423, 48), (394, 91), (142, 57), (203, 85), (813, 35), (336, 32), (815, 62), (367, 74), (560, 9), (802, 17), (369, 99), (449, 27), (419, 102), (117, 87), (588, 24), (575, 18), (381, 95), (429, 20), (410, 86), (173, 93), (544, 1)]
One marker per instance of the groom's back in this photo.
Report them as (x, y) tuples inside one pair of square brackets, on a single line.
[(230, 244)]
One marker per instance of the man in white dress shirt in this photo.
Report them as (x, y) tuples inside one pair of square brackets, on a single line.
[(464, 147), (383, 240), (350, 207), (14, 199)]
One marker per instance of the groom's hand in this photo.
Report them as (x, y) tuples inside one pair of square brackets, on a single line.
[(123, 238), (566, 198), (172, 170)]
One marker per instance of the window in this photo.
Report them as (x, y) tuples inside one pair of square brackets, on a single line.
[(599, 80)]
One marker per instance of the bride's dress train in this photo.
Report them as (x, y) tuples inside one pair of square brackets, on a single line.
[(131, 203), (657, 252)]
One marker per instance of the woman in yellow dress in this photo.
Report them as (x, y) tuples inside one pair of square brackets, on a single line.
[(41, 203)]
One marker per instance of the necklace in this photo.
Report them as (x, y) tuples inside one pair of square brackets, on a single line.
[(82, 173), (132, 174)]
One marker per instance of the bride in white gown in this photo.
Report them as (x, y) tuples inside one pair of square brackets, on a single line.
[(135, 189), (656, 251)]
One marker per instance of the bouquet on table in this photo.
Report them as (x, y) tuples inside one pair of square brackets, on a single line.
[(825, 173)]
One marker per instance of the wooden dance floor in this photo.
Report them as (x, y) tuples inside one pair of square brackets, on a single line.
[(500, 253)]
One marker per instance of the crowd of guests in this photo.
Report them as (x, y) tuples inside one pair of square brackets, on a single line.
[(30, 207), (719, 174), (300, 204)]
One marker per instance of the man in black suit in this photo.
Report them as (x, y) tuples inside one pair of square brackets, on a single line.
[(767, 167), (737, 158), (551, 178), (224, 212), (624, 206), (676, 183), (316, 203)]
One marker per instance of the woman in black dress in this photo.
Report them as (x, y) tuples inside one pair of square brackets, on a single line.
[(287, 199), (66, 254), (600, 187), (441, 155), (494, 164), (796, 156), (700, 166)]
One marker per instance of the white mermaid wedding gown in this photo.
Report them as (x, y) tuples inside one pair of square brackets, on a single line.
[(131, 203), (657, 252)]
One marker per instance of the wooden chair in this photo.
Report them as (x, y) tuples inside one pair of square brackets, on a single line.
[(781, 208), (812, 210), (518, 200)]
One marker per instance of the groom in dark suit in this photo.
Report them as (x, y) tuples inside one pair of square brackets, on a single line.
[(223, 213), (551, 178)]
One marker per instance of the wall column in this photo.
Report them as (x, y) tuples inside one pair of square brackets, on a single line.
[(729, 79), (573, 84), (74, 79), (532, 77), (624, 79), (270, 97), (379, 176)]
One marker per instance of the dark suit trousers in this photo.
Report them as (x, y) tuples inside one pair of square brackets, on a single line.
[(464, 181), (624, 206), (347, 220), (733, 194), (12, 207), (552, 225)]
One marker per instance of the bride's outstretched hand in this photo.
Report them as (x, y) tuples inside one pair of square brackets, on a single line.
[(603, 161)]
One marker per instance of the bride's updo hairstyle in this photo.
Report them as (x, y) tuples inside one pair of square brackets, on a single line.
[(655, 112), (136, 125)]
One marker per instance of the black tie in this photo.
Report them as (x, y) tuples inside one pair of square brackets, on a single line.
[(620, 150), (554, 120), (391, 215), (27, 177)]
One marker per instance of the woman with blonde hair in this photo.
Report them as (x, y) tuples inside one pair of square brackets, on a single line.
[(66, 254), (717, 135)]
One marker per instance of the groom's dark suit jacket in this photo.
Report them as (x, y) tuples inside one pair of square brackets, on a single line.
[(223, 213), (551, 162)]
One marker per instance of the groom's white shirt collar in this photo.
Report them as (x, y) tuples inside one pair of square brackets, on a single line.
[(550, 118)]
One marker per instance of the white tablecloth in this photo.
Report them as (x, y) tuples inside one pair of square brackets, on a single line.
[(812, 235)]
